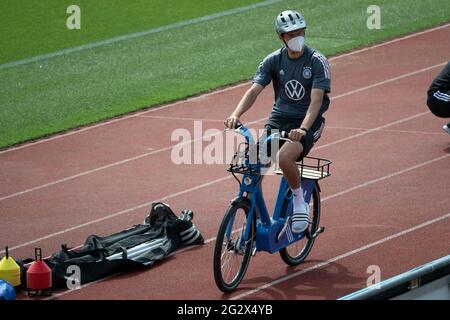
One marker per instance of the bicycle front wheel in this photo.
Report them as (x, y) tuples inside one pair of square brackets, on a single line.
[(231, 253), (297, 252)]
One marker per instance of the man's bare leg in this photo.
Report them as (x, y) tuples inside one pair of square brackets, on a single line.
[(289, 153)]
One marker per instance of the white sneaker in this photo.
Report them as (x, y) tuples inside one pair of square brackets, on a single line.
[(300, 221), (447, 128)]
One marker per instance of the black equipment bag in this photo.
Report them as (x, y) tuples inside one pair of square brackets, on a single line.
[(142, 245)]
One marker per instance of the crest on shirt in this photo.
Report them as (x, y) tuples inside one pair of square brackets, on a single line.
[(281, 72), (294, 90), (307, 73)]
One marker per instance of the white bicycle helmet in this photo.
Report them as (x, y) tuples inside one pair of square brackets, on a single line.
[(289, 20)]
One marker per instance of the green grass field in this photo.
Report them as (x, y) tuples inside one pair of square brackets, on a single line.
[(57, 93)]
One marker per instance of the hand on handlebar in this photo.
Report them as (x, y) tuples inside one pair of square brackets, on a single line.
[(296, 134), (232, 122)]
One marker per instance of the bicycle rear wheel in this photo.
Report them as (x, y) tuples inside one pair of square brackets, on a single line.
[(231, 255), (297, 252)]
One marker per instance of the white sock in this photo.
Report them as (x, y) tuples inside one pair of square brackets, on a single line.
[(299, 201), (300, 216)]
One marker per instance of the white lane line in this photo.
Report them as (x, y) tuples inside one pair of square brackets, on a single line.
[(415, 132), (66, 291), (170, 147), (180, 118), (392, 41), (405, 75), (128, 36), (340, 257), (396, 173), (155, 108), (372, 130), (385, 130), (362, 185), (346, 128)]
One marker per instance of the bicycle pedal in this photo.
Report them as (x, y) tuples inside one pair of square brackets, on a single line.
[(318, 231)]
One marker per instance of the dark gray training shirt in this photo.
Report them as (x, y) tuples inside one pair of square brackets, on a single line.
[(293, 80), (441, 82)]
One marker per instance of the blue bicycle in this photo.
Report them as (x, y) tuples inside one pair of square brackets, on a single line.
[(247, 226)]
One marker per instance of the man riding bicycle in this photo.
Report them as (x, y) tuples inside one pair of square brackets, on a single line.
[(301, 81)]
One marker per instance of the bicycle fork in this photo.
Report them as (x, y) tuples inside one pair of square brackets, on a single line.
[(244, 234)]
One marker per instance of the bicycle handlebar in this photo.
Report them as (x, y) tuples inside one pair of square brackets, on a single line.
[(283, 136), (241, 129)]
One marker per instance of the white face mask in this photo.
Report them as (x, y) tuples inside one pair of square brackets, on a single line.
[(296, 44)]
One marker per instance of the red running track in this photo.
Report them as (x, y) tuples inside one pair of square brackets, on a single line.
[(386, 203)]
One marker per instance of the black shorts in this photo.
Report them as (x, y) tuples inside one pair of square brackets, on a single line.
[(438, 104), (307, 141)]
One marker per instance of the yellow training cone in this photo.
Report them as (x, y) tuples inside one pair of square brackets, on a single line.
[(9, 270)]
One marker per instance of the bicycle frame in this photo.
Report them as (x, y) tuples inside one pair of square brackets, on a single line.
[(267, 227)]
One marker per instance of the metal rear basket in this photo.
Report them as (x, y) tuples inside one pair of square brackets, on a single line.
[(312, 168)]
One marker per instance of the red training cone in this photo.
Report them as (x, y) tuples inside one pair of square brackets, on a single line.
[(39, 276)]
